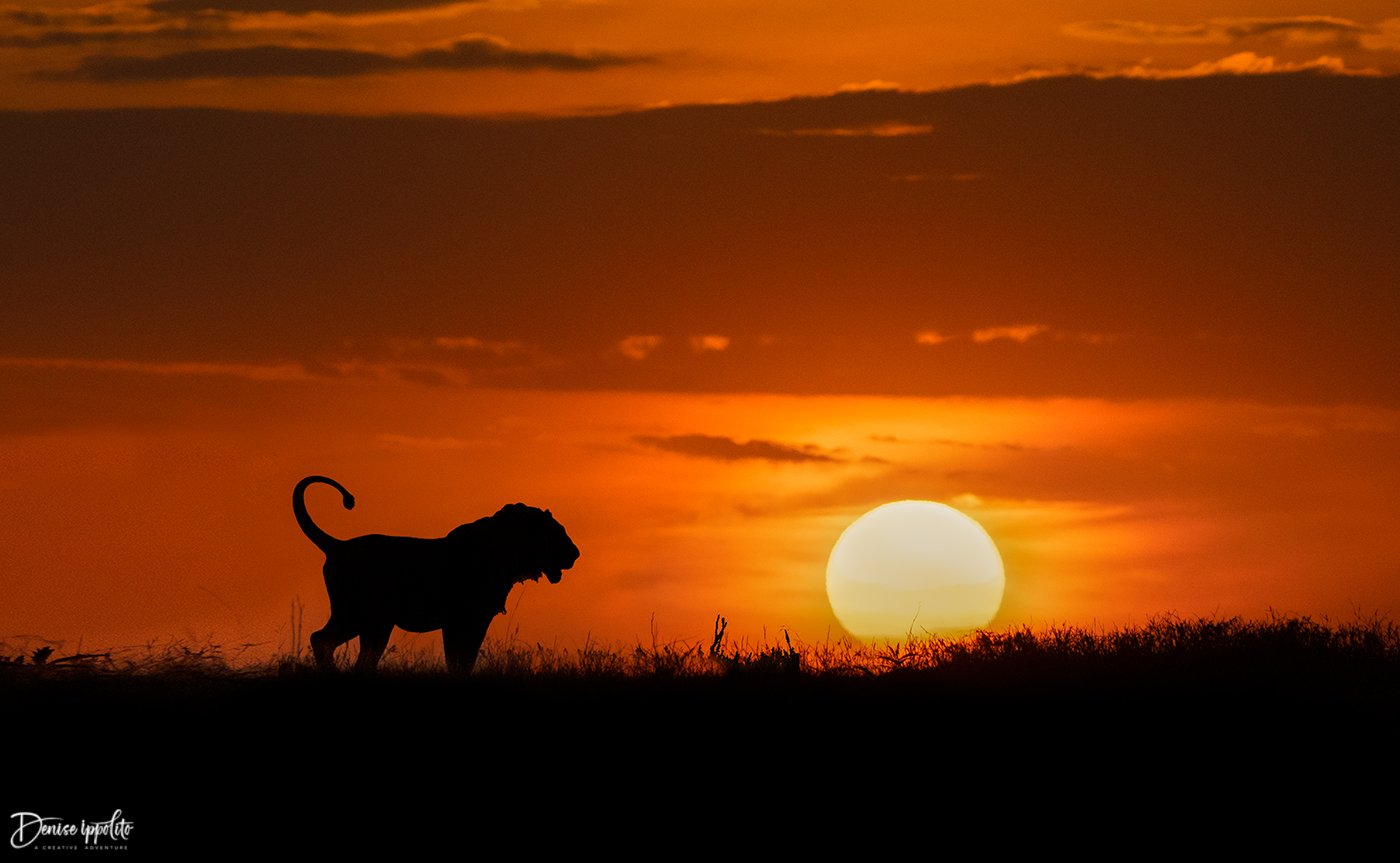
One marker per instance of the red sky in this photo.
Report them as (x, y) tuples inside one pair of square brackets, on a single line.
[(1137, 321)]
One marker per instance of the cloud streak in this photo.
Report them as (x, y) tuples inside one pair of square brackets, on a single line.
[(190, 20), (476, 53), (638, 347), (1021, 333), (247, 371), (890, 129), (299, 7), (403, 441), (709, 343), (51, 38), (472, 343), (1240, 63), (1243, 63), (1304, 29), (112, 23), (722, 448)]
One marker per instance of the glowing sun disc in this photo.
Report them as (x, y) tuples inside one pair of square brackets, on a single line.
[(914, 565)]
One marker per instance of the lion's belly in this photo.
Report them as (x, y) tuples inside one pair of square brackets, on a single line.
[(429, 606), (419, 601), (419, 623)]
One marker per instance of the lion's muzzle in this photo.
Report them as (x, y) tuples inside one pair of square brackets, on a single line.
[(566, 562)]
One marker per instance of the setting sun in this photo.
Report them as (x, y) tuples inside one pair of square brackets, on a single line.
[(911, 566)]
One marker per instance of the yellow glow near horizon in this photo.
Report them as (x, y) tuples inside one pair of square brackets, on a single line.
[(914, 565)]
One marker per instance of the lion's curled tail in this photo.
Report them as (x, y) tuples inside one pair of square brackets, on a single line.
[(323, 540)]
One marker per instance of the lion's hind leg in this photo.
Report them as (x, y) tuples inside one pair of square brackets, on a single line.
[(325, 640)]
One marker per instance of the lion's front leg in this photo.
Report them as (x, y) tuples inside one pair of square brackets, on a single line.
[(373, 640), (461, 642)]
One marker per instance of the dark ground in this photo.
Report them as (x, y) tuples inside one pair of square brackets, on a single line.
[(1170, 755)]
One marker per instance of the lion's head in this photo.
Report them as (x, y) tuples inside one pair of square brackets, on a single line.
[(526, 542)]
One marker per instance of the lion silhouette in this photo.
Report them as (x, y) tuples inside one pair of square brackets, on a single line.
[(456, 583)]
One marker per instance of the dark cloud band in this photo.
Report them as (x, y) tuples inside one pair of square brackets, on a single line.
[(48, 38), (1219, 30), (271, 61), (297, 7)]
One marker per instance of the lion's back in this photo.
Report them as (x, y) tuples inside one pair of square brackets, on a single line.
[(402, 578)]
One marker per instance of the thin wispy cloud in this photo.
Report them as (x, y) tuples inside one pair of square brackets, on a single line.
[(963, 177), (638, 347), (247, 371), (874, 84), (709, 343), (1243, 63), (721, 448), (489, 370), (472, 343), (1021, 333), (413, 442), (950, 442), (889, 129)]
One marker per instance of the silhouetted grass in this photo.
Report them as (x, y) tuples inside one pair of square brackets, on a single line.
[(1169, 656), (1166, 650)]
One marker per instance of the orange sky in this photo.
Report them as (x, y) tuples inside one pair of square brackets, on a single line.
[(1104, 511), (373, 56), (1138, 322)]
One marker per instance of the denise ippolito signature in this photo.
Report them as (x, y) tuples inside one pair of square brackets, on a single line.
[(31, 827)]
